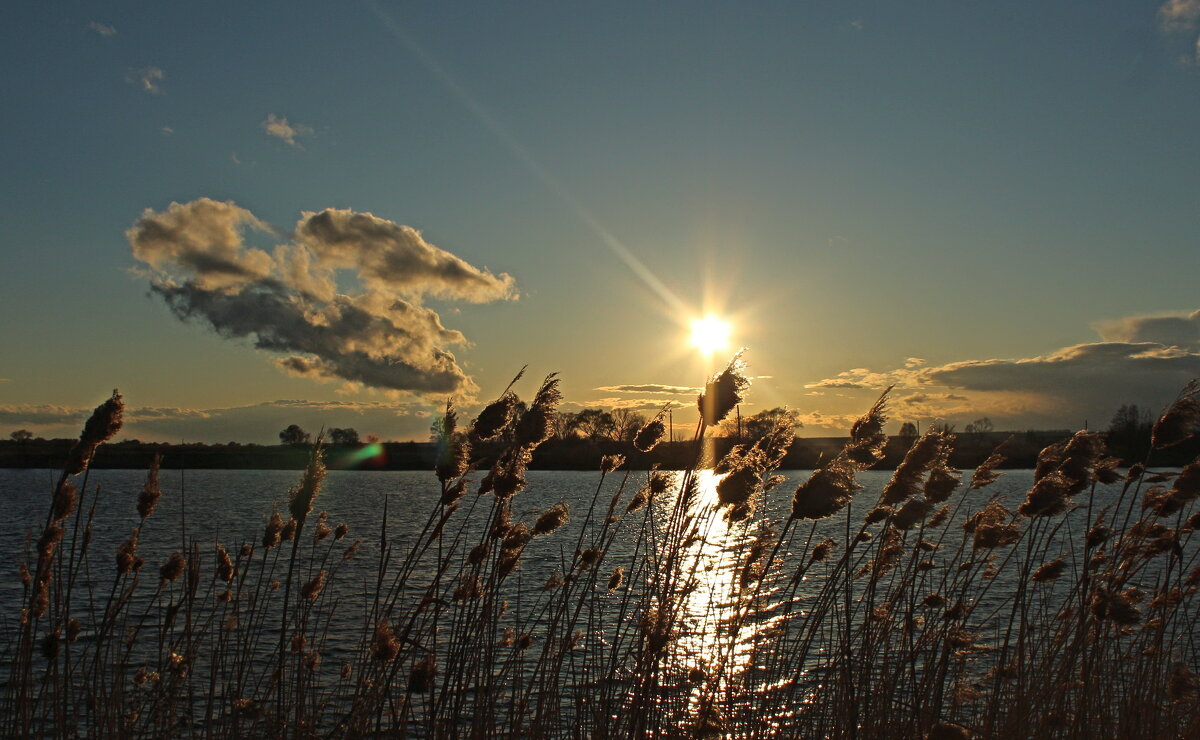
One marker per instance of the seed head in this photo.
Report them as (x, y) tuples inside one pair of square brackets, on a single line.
[(609, 463), (272, 531), (66, 496), (226, 570), (173, 568), (1179, 422), (536, 425), (1049, 571), (986, 473), (420, 678), (648, 437), (313, 588), (822, 550), (150, 493), (384, 645), (723, 391), (911, 514), (867, 439), (303, 495), (826, 492), (495, 417), (104, 422), (551, 519), (127, 558)]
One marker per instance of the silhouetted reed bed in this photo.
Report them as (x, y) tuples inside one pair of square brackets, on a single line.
[(708, 602)]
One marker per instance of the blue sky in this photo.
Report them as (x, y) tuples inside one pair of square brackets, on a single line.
[(990, 188)]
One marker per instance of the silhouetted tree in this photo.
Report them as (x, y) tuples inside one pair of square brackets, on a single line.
[(21, 435), (594, 423), (626, 423), (294, 435), (979, 426), (759, 424), (908, 433), (347, 436), (1129, 432)]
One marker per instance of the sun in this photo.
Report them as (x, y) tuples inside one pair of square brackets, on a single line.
[(710, 334)]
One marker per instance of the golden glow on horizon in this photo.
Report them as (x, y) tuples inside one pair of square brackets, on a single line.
[(710, 334)]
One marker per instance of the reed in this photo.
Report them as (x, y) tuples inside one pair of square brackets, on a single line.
[(706, 602)]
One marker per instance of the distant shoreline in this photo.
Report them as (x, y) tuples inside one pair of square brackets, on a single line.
[(806, 453)]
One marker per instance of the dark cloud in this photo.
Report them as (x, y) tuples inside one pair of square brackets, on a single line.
[(650, 388), (1147, 361), (288, 303), (1085, 374)]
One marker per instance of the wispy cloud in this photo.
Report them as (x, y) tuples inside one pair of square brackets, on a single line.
[(250, 423), (633, 404), (1182, 17), (149, 79), (1179, 15), (103, 29), (652, 388), (280, 128), (288, 301)]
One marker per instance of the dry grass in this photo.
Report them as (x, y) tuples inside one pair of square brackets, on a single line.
[(680, 606)]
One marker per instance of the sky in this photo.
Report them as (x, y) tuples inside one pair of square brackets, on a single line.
[(342, 214)]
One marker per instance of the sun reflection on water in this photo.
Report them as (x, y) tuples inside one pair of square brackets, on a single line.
[(714, 637)]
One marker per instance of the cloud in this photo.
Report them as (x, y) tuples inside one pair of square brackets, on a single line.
[(103, 29), (1179, 15), (839, 423), (147, 78), (650, 388), (288, 301), (167, 130), (1111, 371), (861, 378), (1169, 330), (1144, 360), (396, 258), (250, 423), (280, 128), (633, 404)]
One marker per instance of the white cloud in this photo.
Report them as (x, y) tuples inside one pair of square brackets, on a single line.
[(288, 301), (280, 128), (103, 29)]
